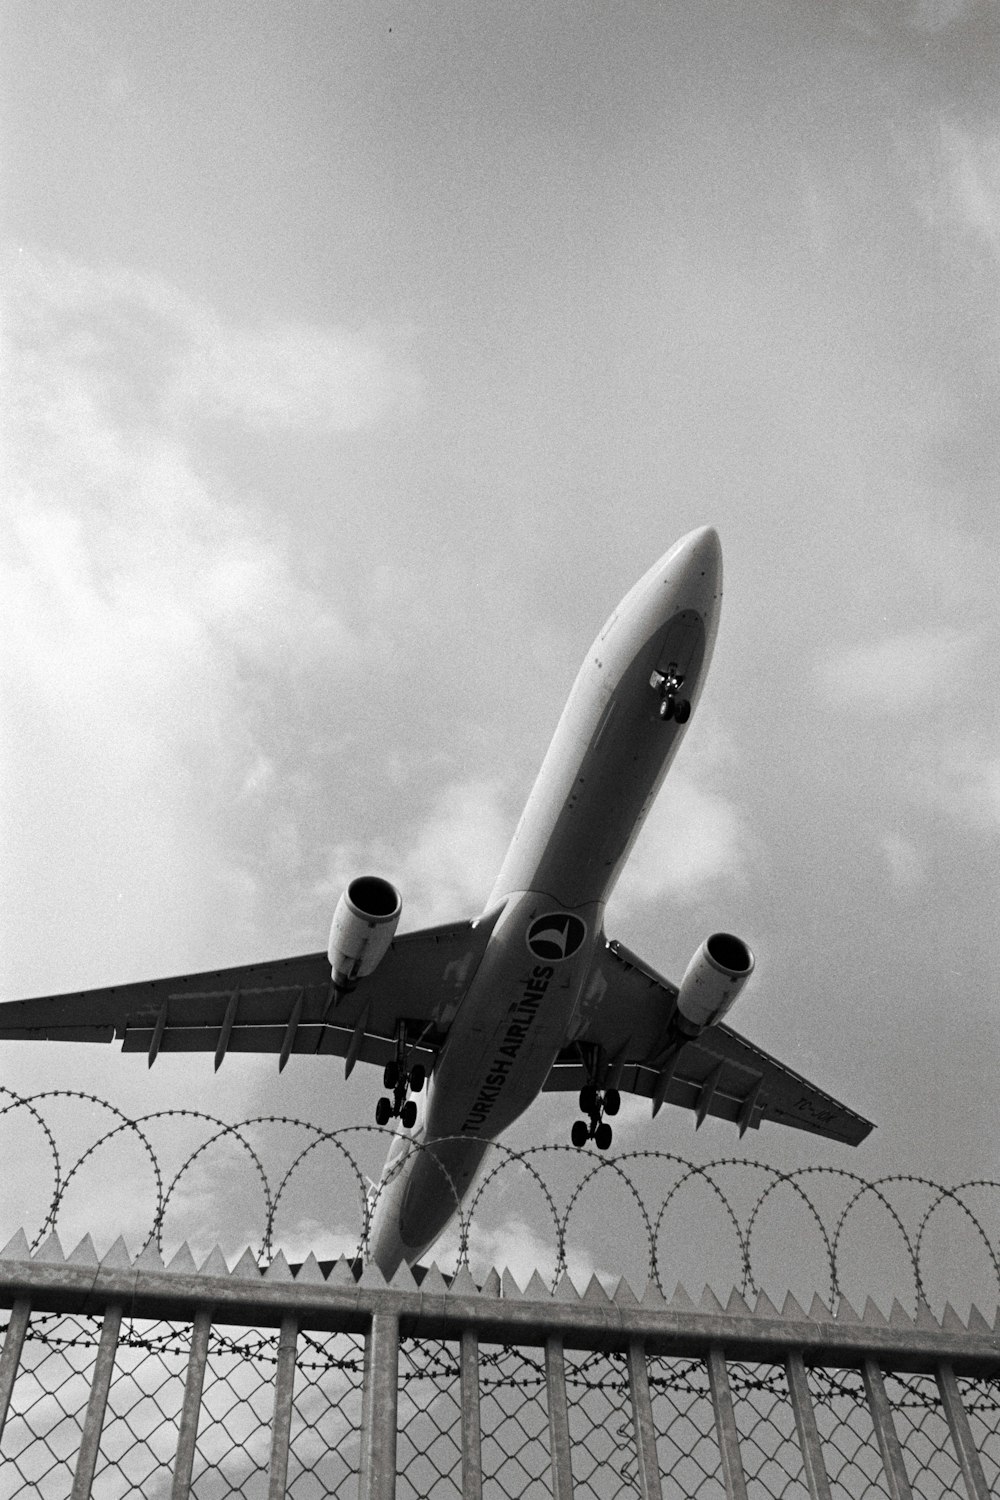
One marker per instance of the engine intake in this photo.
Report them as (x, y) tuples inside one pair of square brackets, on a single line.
[(364, 924), (712, 982)]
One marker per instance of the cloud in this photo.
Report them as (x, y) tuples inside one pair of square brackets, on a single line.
[(694, 835), (959, 776), (444, 866), (906, 863), (901, 674)]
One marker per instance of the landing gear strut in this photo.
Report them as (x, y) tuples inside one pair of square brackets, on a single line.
[(402, 1080), (668, 684), (595, 1103)]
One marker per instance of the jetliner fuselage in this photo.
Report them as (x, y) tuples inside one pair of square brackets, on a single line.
[(608, 757)]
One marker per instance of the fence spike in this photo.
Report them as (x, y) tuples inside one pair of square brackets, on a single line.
[(653, 1297), (246, 1268), (845, 1312), (51, 1251), (873, 1316), (215, 1265), (623, 1294), (899, 1317), (149, 1258), (996, 1322), (951, 1321), (341, 1273), (117, 1257), (681, 1301), (182, 1263), (462, 1284), (433, 1282), (508, 1286), (736, 1307), (536, 1290), (278, 1269), (793, 1310), (977, 1323), (709, 1301), (17, 1247), (765, 1308), (492, 1286), (84, 1254), (818, 1310), (404, 1280), (925, 1318), (310, 1273)]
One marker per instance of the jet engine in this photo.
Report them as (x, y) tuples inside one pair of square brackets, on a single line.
[(713, 979), (364, 924)]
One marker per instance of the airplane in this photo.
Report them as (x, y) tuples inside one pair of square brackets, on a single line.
[(483, 1015)]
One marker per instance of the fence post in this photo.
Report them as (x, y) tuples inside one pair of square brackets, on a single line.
[(650, 1487), (555, 1390), (885, 1431), (377, 1480), (813, 1462), (725, 1426), (191, 1409), (472, 1449), (11, 1356), (281, 1425), (961, 1433), (93, 1422)]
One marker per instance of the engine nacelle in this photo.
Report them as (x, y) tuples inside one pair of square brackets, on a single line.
[(364, 925), (714, 978)]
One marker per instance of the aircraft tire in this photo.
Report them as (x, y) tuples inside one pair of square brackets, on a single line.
[(418, 1075), (408, 1115), (682, 712), (588, 1099), (579, 1135), (390, 1075), (602, 1136), (666, 709), (383, 1111), (612, 1101)]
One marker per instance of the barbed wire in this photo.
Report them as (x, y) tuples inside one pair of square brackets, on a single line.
[(655, 1185)]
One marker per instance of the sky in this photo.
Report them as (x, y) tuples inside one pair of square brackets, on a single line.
[(358, 358)]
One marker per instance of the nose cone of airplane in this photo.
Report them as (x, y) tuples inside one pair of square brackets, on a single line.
[(696, 565)]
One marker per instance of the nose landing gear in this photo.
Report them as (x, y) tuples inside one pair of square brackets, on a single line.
[(595, 1103), (668, 684), (402, 1080)]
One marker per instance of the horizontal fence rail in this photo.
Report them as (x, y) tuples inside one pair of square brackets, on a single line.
[(122, 1376)]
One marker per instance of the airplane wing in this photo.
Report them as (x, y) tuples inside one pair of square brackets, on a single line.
[(626, 1007), (282, 1007)]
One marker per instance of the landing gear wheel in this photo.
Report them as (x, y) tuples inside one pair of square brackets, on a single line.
[(418, 1074), (602, 1136), (682, 711), (612, 1101), (390, 1075), (588, 1099), (579, 1135), (383, 1111), (408, 1115), (666, 708)]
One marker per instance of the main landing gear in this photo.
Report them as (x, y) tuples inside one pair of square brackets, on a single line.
[(668, 684), (402, 1080), (595, 1103)]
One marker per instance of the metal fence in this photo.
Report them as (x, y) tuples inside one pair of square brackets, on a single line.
[(193, 1370), (123, 1377)]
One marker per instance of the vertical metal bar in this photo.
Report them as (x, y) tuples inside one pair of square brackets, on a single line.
[(555, 1388), (472, 1453), (725, 1426), (93, 1422), (11, 1356), (885, 1431), (281, 1426), (650, 1486), (377, 1480), (191, 1409), (961, 1434), (813, 1462)]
